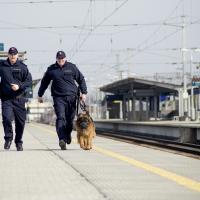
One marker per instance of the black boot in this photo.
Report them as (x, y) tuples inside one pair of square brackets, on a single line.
[(62, 145), (7, 144), (69, 139), (19, 147)]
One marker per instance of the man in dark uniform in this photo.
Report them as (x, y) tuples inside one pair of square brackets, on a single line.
[(64, 76), (15, 79)]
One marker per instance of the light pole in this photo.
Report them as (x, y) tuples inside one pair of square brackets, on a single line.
[(185, 93), (192, 90), (192, 109)]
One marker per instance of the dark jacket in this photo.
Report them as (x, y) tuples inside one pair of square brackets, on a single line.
[(14, 74), (63, 80)]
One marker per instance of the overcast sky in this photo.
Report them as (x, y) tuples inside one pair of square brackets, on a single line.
[(98, 35)]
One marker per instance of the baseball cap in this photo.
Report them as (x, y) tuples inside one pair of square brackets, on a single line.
[(60, 55), (13, 51)]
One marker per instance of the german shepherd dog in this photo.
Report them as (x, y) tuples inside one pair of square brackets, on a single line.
[(85, 130)]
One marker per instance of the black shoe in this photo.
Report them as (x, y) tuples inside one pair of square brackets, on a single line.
[(62, 145), (19, 147), (69, 139), (7, 144)]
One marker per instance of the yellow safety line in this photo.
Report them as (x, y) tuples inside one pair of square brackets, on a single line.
[(189, 183), (181, 180)]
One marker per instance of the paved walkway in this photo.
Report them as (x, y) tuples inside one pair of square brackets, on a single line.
[(112, 170)]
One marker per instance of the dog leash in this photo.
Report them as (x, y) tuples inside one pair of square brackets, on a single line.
[(83, 106), (79, 103)]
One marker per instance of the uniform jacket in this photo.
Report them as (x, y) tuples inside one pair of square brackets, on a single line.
[(14, 74), (63, 80)]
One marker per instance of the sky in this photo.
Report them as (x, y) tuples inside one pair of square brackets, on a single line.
[(106, 39)]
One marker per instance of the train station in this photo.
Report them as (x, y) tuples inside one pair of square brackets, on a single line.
[(100, 100)]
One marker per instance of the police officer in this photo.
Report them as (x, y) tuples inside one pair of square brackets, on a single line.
[(15, 79), (64, 76)]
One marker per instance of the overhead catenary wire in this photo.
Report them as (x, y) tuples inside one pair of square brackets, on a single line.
[(82, 27), (51, 1), (21, 26), (158, 41), (99, 24), (138, 47), (142, 50), (159, 28), (87, 28), (111, 65), (106, 50)]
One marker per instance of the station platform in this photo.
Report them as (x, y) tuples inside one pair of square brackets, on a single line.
[(112, 170), (182, 131)]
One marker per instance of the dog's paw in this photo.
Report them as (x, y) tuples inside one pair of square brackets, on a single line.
[(87, 148)]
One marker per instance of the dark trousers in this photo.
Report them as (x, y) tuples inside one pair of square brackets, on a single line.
[(14, 109), (65, 109)]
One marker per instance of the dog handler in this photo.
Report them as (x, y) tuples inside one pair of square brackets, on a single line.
[(64, 76)]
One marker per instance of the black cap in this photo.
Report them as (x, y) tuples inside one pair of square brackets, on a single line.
[(60, 55), (13, 51)]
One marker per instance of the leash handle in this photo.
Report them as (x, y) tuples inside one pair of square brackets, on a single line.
[(80, 103), (83, 106)]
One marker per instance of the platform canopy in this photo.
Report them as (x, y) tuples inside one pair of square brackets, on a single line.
[(137, 85)]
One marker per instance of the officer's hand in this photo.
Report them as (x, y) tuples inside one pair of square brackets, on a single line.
[(83, 97), (14, 87), (40, 99)]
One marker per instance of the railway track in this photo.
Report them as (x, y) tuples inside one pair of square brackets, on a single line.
[(192, 150)]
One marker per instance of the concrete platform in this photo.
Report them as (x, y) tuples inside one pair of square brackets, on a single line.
[(112, 170), (185, 132)]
